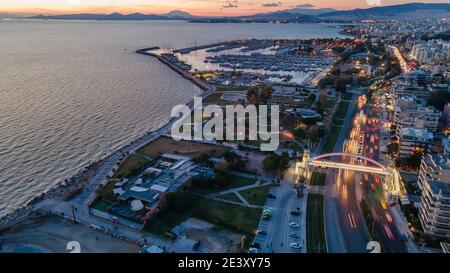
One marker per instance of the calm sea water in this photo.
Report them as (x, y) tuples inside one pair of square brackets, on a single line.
[(72, 91)]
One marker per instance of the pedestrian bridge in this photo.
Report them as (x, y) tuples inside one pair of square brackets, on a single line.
[(392, 181), (374, 167), (365, 164)]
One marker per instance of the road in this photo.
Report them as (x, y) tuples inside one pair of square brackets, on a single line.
[(345, 225), (390, 237)]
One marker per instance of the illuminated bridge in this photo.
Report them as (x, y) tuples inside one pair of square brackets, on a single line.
[(319, 161), (367, 164)]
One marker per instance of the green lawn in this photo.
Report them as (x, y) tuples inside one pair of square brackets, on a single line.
[(256, 196), (318, 179), (341, 110), (338, 121), (101, 205), (231, 197), (236, 217), (315, 229), (106, 192), (328, 147), (347, 96), (234, 182), (131, 167), (165, 223)]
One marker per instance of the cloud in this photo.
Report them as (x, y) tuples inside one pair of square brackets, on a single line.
[(271, 5), (230, 4), (306, 6)]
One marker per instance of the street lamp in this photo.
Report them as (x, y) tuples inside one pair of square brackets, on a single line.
[(73, 213)]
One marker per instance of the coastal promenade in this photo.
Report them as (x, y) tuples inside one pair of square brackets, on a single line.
[(78, 207)]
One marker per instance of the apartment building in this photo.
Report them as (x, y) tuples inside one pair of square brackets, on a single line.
[(414, 140), (434, 179)]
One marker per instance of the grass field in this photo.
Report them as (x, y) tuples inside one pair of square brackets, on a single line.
[(256, 196), (328, 147), (167, 222), (338, 121), (101, 205), (131, 166), (347, 96), (106, 192), (235, 217), (315, 229), (231, 197), (341, 110), (234, 182), (168, 145), (318, 179)]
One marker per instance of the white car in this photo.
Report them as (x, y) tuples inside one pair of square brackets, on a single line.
[(253, 250), (293, 224), (295, 245)]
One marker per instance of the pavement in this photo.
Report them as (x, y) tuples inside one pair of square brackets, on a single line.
[(279, 232)]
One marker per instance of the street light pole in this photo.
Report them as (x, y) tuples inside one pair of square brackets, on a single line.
[(73, 214)]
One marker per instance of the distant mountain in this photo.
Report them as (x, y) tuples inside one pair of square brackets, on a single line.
[(294, 15), (178, 14), (310, 11), (404, 11), (112, 16), (7, 15), (281, 16)]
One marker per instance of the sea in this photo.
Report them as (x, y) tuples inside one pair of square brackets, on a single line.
[(74, 91)]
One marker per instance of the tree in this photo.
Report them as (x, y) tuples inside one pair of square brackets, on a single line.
[(253, 95), (174, 201), (266, 93), (234, 161), (340, 85), (256, 95), (276, 164), (315, 132), (439, 99)]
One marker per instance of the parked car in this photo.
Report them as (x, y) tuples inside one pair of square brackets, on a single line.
[(295, 245), (261, 232), (255, 245), (271, 196), (252, 250), (295, 213), (293, 224), (294, 235)]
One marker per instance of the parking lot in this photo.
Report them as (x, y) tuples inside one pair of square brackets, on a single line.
[(282, 231)]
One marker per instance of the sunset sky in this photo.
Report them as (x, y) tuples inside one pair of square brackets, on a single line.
[(196, 7)]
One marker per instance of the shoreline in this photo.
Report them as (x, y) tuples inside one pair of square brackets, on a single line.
[(73, 185)]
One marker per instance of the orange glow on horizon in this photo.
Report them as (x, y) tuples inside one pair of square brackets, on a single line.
[(194, 7)]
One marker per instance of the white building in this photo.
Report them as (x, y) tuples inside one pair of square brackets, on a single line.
[(414, 140), (434, 211), (410, 112)]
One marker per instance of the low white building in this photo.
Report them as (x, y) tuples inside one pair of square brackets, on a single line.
[(414, 140)]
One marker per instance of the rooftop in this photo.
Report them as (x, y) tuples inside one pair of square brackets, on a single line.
[(416, 133)]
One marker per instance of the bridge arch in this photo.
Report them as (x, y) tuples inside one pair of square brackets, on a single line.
[(319, 157)]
